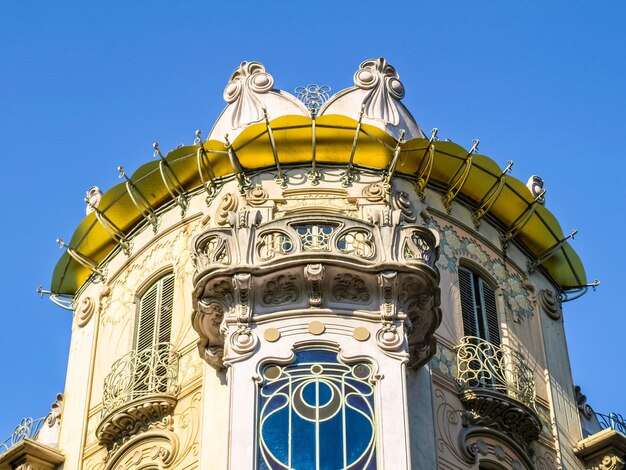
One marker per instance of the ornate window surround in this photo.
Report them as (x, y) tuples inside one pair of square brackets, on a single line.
[(389, 373)]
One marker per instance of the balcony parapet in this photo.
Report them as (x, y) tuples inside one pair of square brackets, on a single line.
[(139, 394), (498, 388), (612, 421)]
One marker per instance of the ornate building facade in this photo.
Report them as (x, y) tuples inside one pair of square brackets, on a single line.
[(318, 284)]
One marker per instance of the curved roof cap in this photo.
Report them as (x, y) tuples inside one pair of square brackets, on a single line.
[(370, 112), (376, 93)]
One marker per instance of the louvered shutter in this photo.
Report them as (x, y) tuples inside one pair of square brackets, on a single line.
[(165, 310), (468, 302), (147, 318), (490, 313)]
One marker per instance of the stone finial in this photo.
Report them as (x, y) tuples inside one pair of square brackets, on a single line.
[(245, 85), (384, 88), (535, 184)]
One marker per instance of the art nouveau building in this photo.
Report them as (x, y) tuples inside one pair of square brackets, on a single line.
[(318, 284)]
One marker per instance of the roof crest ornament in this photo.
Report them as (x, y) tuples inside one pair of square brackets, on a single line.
[(245, 85), (383, 83), (313, 96)]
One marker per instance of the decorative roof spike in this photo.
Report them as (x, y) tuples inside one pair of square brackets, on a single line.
[(245, 85), (385, 88), (313, 96)]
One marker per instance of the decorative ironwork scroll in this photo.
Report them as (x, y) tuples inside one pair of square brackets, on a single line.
[(317, 412)]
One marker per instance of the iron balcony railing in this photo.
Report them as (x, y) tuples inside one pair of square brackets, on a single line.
[(139, 374), (481, 364), (612, 421), (27, 429)]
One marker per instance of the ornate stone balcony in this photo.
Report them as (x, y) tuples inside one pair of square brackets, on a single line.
[(498, 388), (139, 393)]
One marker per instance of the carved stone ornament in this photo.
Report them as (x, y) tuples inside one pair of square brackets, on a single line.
[(228, 204), (350, 288), (496, 411), (257, 196), (155, 448), (581, 403), (85, 311), (56, 411), (210, 249), (281, 289), (384, 88), (550, 304), (245, 85), (152, 412), (402, 203), (314, 273), (374, 192)]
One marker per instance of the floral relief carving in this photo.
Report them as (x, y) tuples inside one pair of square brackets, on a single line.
[(454, 247), (281, 289), (444, 362), (351, 288)]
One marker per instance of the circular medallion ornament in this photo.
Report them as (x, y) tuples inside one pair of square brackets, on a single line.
[(316, 328), (361, 333), (271, 334)]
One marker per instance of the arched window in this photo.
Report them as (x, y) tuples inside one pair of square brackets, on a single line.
[(478, 307), (317, 412)]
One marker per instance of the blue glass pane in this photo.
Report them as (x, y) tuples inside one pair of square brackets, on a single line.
[(316, 413)]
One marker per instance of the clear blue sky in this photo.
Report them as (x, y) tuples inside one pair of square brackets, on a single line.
[(86, 86)]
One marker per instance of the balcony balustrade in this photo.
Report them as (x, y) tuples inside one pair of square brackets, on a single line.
[(612, 421), (27, 429), (498, 389), (481, 364), (140, 389)]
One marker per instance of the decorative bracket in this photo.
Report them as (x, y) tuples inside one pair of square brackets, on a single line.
[(170, 180), (532, 265), (458, 179), (280, 179), (347, 176), (242, 283), (522, 220), (83, 260), (204, 167), (113, 230), (242, 178), (425, 166), (139, 200), (314, 175), (567, 295), (491, 196), (391, 169), (64, 301)]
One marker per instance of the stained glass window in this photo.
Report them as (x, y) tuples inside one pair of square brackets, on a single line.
[(317, 413)]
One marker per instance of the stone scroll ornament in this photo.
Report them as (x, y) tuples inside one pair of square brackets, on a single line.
[(384, 88), (246, 83)]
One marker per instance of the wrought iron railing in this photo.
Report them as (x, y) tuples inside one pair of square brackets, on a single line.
[(612, 421), (481, 364), (27, 429), (139, 374)]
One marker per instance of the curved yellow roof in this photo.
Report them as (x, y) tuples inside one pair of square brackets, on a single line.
[(334, 135)]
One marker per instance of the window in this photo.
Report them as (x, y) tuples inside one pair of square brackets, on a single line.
[(478, 307), (153, 353), (318, 413), (155, 314)]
